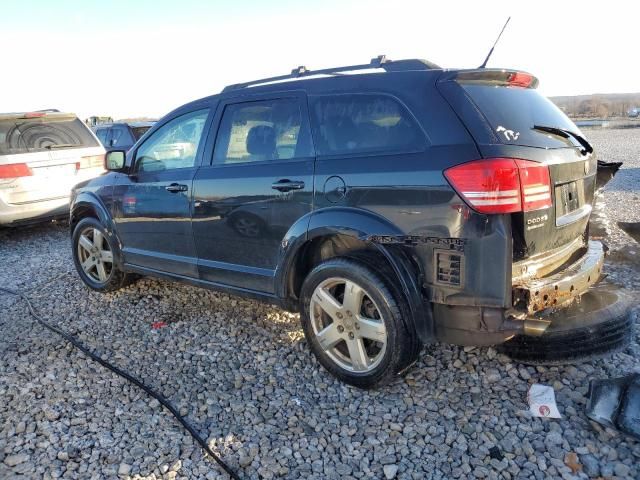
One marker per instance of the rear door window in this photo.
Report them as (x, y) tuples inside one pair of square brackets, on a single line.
[(260, 131), (513, 111), (363, 124), (27, 135)]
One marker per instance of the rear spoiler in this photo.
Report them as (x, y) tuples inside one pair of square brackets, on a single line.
[(491, 77)]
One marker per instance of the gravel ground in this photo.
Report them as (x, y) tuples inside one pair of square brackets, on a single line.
[(242, 374)]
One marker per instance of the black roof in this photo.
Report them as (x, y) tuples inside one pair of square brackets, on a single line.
[(316, 80)]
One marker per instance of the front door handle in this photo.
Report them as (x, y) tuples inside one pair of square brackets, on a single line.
[(286, 185), (176, 187)]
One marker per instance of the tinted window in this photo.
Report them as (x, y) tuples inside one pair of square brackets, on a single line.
[(350, 124), (174, 145), (42, 134), (512, 112), (139, 131), (102, 134), (120, 137), (261, 131)]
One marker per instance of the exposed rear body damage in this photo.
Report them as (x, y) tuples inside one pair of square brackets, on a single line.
[(552, 261)]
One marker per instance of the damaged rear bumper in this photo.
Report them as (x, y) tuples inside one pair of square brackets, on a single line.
[(536, 295), (565, 299)]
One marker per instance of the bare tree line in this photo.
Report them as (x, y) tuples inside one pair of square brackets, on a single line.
[(598, 105)]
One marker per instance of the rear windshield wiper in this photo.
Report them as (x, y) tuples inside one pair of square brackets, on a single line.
[(61, 145), (561, 132)]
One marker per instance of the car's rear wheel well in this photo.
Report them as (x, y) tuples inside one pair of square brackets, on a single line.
[(323, 248)]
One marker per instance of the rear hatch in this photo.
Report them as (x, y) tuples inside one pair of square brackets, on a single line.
[(43, 154), (510, 119)]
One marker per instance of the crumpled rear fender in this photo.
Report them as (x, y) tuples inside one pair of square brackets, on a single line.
[(366, 227)]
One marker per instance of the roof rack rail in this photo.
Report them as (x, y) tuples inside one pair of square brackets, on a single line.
[(381, 61)]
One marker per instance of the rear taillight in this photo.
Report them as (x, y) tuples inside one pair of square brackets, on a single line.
[(536, 185), (91, 162), (34, 115), (15, 170), (502, 185)]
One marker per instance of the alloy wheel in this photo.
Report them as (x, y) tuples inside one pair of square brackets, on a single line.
[(348, 325), (95, 255)]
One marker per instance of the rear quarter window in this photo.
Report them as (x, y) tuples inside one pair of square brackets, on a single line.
[(360, 124), (43, 134)]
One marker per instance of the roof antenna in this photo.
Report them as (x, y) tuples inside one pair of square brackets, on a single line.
[(484, 64)]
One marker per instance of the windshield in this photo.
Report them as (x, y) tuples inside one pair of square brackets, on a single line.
[(513, 112), (27, 135)]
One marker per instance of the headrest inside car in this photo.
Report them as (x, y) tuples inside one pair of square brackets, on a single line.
[(261, 140)]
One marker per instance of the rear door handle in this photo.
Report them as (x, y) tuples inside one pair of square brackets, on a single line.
[(176, 187), (286, 185)]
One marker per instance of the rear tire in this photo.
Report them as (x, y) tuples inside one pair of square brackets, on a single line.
[(353, 324), (95, 257)]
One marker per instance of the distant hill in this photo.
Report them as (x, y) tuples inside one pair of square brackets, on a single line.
[(600, 105)]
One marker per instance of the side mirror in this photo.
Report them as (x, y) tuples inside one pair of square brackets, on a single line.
[(115, 160)]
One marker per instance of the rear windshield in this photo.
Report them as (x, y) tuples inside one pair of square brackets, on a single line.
[(512, 112), (139, 131), (42, 134)]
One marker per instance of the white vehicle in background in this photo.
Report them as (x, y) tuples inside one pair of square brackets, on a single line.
[(42, 156)]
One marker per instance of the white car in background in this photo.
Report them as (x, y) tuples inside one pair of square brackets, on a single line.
[(42, 156)]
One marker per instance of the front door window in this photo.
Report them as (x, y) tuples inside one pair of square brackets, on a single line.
[(174, 145)]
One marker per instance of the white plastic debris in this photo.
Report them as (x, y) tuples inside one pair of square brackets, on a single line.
[(542, 401)]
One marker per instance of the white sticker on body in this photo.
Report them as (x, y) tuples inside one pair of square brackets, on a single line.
[(508, 134)]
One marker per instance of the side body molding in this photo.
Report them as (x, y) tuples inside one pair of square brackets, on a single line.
[(361, 225)]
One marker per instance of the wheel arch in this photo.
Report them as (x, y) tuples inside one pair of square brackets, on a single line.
[(88, 205), (350, 232)]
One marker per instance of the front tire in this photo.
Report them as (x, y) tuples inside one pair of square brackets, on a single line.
[(353, 324), (95, 257)]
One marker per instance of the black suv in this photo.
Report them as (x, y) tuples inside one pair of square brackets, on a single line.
[(392, 204)]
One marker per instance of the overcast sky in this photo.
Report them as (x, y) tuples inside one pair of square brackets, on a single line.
[(144, 58)]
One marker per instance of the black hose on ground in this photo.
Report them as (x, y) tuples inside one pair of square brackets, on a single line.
[(163, 401)]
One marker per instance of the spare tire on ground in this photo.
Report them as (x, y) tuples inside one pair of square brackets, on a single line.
[(600, 324)]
